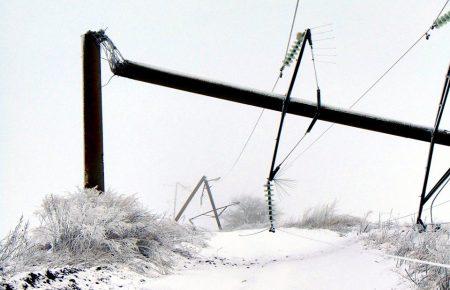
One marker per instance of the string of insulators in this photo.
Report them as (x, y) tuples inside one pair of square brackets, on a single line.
[(293, 51), (271, 208), (441, 21)]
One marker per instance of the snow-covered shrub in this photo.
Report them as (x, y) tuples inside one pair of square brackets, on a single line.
[(251, 212), (326, 217), (89, 228), (15, 247), (432, 245)]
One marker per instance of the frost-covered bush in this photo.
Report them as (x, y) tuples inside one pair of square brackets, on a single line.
[(326, 217), (90, 228), (251, 212), (15, 247), (432, 245)]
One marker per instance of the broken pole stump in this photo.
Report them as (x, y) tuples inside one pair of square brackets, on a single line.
[(92, 114)]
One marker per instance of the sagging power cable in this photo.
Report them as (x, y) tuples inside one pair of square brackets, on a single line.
[(437, 23), (280, 75)]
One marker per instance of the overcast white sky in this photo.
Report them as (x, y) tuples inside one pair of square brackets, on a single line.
[(156, 136)]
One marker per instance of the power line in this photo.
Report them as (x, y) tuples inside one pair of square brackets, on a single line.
[(412, 214), (434, 199), (273, 89), (440, 12), (321, 26), (292, 27), (251, 134), (311, 239), (425, 34)]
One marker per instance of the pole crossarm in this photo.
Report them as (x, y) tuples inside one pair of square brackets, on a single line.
[(271, 101)]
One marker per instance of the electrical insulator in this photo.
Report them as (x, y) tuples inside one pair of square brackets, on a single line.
[(290, 56), (441, 21), (270, 204)]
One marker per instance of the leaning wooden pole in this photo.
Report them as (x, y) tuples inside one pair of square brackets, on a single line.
[(92, 114)]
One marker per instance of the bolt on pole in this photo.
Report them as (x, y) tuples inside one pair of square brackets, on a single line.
[(92, 114)]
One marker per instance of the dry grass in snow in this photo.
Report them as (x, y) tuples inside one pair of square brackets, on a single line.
[(432, 245), (251, 212), (326, 217)]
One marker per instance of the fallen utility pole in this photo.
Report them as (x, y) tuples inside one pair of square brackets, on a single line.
[(162, 77), (205, 182)]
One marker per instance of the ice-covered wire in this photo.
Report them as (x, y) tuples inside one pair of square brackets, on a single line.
[(113, 55)]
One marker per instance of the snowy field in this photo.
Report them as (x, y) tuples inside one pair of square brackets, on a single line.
[(289, 259)]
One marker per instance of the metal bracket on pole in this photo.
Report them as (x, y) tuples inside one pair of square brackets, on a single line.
[(424, 198), (204, 181)]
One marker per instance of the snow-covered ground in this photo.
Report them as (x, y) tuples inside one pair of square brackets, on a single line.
[(289, 259)]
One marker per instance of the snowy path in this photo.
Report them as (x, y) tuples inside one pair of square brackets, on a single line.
[(289, 259)]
